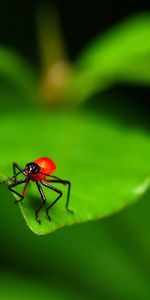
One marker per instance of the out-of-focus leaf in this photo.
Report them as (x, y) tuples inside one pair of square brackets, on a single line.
[(107, 163), (22, 287), (17, 72), (122, 54)]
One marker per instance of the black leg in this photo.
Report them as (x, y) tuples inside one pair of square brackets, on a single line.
[(9, 178), (16, 166), (65, 182), (43, 202), (55, 190), (13, 178), (12, 185)]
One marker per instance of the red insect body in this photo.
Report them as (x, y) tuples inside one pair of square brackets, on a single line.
[(46, 165)]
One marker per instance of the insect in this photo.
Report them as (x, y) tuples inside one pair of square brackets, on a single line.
[(39, 171)]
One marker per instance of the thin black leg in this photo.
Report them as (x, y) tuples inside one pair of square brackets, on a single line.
[(9, 178), (55, 190), (65, 182), (16, 166), (43, 202), (12, 185)]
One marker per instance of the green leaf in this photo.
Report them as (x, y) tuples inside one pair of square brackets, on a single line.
[(35, 287), (107, 163), (120, 55), (16, 72)]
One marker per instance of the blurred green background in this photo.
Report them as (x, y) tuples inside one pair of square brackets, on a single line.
[(74, 85)]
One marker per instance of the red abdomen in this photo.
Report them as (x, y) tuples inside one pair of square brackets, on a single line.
[(47, 167)]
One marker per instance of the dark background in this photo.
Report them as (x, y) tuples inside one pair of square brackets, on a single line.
[(81, 22)]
